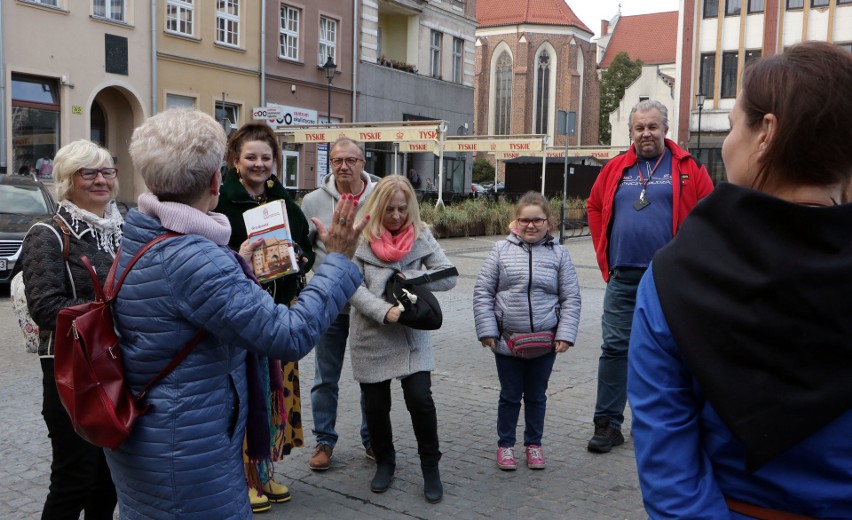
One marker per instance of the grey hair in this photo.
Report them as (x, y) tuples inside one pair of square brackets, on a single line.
[(177, 152), (347, 140), (75, 155), (644, 106)]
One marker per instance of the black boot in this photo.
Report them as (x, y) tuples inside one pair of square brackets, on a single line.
[(433, 490), (384, 475)]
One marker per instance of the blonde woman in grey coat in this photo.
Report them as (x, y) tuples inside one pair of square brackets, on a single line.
[(396, 241)]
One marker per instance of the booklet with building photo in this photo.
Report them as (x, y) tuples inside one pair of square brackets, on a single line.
[(276, 257)]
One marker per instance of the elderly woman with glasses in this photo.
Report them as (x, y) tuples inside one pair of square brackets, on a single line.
[(184, 458), (87, 223)]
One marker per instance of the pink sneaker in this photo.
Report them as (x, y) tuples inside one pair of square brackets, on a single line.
[(535, 458), (506, 458)]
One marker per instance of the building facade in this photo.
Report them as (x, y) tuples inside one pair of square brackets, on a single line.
[(534, 58), (303, 36), (54, 92), (417, 63), (718, 40), (630, 34), (208, 57)]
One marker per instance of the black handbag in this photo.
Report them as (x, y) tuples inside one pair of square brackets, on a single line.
[(422, 310)]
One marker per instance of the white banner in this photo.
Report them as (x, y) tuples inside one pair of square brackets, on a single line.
[(603, 154), (493, 145), (291, 116), (365, 134)]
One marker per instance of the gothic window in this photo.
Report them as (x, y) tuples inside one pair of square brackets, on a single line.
[(542, 87), (503, 97)]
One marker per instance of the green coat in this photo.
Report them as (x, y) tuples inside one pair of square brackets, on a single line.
[(234, 200)]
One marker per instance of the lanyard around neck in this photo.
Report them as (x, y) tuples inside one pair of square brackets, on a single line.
[(650, 173)]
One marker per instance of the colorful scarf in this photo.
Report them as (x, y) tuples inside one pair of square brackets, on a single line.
[(393, 248)]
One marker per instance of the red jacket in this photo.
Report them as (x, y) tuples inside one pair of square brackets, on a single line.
[(694, 185)]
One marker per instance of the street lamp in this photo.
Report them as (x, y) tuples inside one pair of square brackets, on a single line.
[(700, 97), (330, 67)]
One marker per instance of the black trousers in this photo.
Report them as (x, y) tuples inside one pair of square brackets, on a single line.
[(79, 477), (417, 390)]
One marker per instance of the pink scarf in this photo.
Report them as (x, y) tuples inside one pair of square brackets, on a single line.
[(393, 248)]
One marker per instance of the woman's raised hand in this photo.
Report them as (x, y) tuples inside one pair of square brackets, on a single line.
[(342, 235)]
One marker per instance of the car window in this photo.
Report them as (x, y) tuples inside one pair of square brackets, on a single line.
[(23, 200)]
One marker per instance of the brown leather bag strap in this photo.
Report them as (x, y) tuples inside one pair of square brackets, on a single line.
[(762, 513), (66, 237)]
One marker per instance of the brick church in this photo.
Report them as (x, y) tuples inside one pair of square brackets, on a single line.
[(533, 58)]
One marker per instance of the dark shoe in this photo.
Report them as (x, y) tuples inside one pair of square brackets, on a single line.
[(371, 454), (384, 475), (606, 436), (433, 490), (321, 459)]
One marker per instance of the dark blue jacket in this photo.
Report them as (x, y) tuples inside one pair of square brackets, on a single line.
[(184, 458)]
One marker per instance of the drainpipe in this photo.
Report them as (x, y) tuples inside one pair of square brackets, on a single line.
[(2, 98), (355, 54), (154, 107), (263, 53)]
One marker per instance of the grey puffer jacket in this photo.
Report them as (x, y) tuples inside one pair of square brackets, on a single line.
[(51, 284), (526, 288), (379, 350)]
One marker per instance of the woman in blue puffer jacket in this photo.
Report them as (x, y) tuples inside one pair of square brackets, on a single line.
[(183, 459), (527, 284)]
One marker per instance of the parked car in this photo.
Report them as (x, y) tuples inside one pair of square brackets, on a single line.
[(23, 202), (477, 189)]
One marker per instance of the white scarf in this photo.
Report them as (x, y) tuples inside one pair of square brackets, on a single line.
[(186, 219), (106, 229)]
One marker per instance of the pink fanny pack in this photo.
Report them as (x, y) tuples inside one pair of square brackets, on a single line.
[(530, 345)]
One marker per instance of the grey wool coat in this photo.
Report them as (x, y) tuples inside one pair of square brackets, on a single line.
[(382, 351), (526, 288)]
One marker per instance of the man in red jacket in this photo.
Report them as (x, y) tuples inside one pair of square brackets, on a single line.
[(636, 206)]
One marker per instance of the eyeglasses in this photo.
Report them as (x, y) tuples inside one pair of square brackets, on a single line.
[(350, 161), (528, 221), (91, 174)]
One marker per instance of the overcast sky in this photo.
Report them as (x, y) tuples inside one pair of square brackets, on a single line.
[(591, 12)]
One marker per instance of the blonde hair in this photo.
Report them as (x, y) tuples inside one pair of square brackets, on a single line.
[(76, 155), (534, 198), (177, 152), (378, 201)]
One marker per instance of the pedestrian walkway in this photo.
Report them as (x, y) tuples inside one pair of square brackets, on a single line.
[(576, 484)]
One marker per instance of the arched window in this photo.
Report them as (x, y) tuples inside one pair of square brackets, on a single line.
[(503, 95), (542, 87)]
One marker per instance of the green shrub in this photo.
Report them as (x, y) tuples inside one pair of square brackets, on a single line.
[(485, 216)]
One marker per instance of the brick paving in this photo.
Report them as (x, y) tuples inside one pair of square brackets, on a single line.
[(576, 484)]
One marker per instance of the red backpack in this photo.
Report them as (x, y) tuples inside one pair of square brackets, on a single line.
[(88, 367)]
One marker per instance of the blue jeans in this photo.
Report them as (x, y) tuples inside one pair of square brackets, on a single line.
[(522, 379), (329, 363), (617, 320)]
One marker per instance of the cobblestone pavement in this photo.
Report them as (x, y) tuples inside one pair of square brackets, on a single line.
[(576, 484)]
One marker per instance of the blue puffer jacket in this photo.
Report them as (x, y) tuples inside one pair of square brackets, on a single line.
[(184, 458), (526, 288)]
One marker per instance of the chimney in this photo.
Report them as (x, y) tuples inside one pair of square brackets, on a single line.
[(604, 27)]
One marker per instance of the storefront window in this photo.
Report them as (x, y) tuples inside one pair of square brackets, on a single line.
[(35, 121)]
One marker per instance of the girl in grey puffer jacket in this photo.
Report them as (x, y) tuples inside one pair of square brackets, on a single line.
[(526, 285)]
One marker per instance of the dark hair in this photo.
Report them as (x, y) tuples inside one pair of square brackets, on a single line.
[(807, 89), (253, 132)]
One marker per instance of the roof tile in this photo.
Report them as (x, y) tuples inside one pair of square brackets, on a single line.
[(651, 38), (490, 13)]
